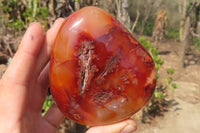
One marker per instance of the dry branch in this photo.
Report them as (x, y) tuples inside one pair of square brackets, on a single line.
[(194, 34), (136, 20)]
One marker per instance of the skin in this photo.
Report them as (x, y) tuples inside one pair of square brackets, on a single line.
[(23, 88)]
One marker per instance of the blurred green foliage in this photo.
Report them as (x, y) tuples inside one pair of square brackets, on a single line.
[(169, 81), (172, 34), (153, 51), (170, 71), (159, 95), (145, 43), (148, 28), (196, 42), (17, 25), (174, 86), (17, 16), (157, 60), (7, 5), (34, 12), (47, 104)]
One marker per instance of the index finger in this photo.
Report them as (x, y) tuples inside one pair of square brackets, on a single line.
[(22, 66)]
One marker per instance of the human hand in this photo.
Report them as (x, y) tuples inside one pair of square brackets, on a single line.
[(24, 85)]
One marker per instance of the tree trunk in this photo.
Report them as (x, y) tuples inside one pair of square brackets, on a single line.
[(1, 24), (183, 14), (185, 30), (88, 1), (51, 9), (197, 13), (122, 12), (94, 3), (119, 11), (107, 5), (77, 5), (159, 28), (184, 41)]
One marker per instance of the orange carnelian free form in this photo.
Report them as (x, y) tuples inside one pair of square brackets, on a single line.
[(99, 73)]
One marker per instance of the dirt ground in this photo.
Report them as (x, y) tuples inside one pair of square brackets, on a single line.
[(183, 112)]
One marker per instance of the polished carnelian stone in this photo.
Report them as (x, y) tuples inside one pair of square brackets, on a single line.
[(99, 73)]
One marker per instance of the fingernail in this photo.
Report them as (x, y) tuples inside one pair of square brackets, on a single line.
[(128, 129), (29, 27), (31, 24), (58, 20)]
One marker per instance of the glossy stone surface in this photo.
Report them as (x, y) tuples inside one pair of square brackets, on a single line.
[(99, 73)]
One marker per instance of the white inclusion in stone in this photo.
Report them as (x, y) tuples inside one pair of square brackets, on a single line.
[(151, 78), (115, 104), (114, 107), (102, 113)]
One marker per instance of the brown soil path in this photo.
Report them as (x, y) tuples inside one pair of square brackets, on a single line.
[(183, 116)]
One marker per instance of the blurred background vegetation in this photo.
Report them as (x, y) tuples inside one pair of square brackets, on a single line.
[(153, 22)]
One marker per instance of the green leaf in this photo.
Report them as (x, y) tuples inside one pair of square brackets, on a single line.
[(170, 71), (168, 80), (174, 86), (44, 12), (172, 33), (47, 104), (145, 43), (159, 95)]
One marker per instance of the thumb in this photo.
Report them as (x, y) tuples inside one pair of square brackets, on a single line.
[(127, 126)]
